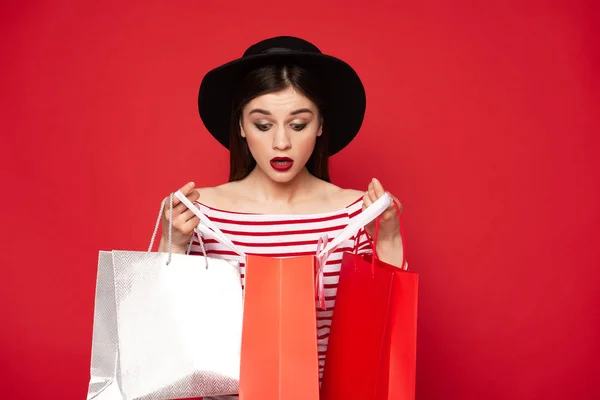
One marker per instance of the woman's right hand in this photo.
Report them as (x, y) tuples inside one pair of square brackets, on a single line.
[(184, 221)]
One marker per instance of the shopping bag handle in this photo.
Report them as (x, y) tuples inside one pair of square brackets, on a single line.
[(326, 248), (356, 224), (373, 241), (206, 226), (170, 232)]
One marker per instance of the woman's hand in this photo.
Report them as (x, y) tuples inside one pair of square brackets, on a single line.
[(184, 221), (389, 240)]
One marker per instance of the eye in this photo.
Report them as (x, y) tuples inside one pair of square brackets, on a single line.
[(298, 127), (262, 127)]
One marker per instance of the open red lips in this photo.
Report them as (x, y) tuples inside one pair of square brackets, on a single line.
[(282, 163)]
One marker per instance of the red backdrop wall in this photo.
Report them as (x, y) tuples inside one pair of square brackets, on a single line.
[(482, 118)]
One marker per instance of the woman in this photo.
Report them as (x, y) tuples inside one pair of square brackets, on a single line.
[(282, 110)]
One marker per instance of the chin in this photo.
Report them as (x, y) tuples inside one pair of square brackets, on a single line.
[(282, 177)]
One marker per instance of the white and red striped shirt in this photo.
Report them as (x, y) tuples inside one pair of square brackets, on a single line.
[(279, 235)]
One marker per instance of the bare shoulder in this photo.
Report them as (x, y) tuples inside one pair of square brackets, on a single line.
[(340, 197), (217, 196)]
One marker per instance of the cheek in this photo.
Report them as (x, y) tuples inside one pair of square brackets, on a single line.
[(257, 143), (307, 143)]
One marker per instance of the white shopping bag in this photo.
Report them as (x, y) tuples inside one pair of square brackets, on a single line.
[(165, 326)]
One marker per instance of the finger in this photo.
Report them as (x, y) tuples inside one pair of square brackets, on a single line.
[(185, 190), (187, 215), (180, 207), (182, 217), (185, 228), (397, 202), (378, 188), (193, 196), (367, 200), (189, 226), (390, 213), (177, 210), (371, 192)]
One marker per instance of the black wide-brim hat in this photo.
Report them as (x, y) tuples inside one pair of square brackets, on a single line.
[(343, 91)]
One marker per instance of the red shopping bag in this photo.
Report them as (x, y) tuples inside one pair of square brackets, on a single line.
[(372, 344), (279, 337)]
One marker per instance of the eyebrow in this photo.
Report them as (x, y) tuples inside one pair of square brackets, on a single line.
[(265, 112)]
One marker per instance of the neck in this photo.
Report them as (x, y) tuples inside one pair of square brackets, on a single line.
[(265, 189)]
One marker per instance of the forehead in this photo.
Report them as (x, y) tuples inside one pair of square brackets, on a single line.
[(284, 101)]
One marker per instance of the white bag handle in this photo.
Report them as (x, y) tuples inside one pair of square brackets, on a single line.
[(357, 223), (206, 226), (324, 250)]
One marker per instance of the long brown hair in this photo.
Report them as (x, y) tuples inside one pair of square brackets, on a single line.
[(272, 79)]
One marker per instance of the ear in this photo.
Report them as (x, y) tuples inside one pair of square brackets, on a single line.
[(242, 133), (320, 131)]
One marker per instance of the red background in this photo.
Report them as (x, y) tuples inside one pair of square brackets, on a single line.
[(482, 118)]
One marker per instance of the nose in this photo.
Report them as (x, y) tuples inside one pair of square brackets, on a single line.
[(281, 139)]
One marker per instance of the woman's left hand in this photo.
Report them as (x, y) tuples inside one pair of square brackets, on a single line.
[(389, 239)]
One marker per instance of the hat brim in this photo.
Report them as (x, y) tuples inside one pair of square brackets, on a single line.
[(343, 91)]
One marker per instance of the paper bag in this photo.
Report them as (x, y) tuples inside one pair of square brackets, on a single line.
[(279, 336), (372, 343), (165, 326)]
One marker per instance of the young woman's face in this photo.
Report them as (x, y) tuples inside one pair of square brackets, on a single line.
[(281, 130)]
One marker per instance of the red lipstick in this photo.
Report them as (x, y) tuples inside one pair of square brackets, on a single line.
[(282, 164)]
